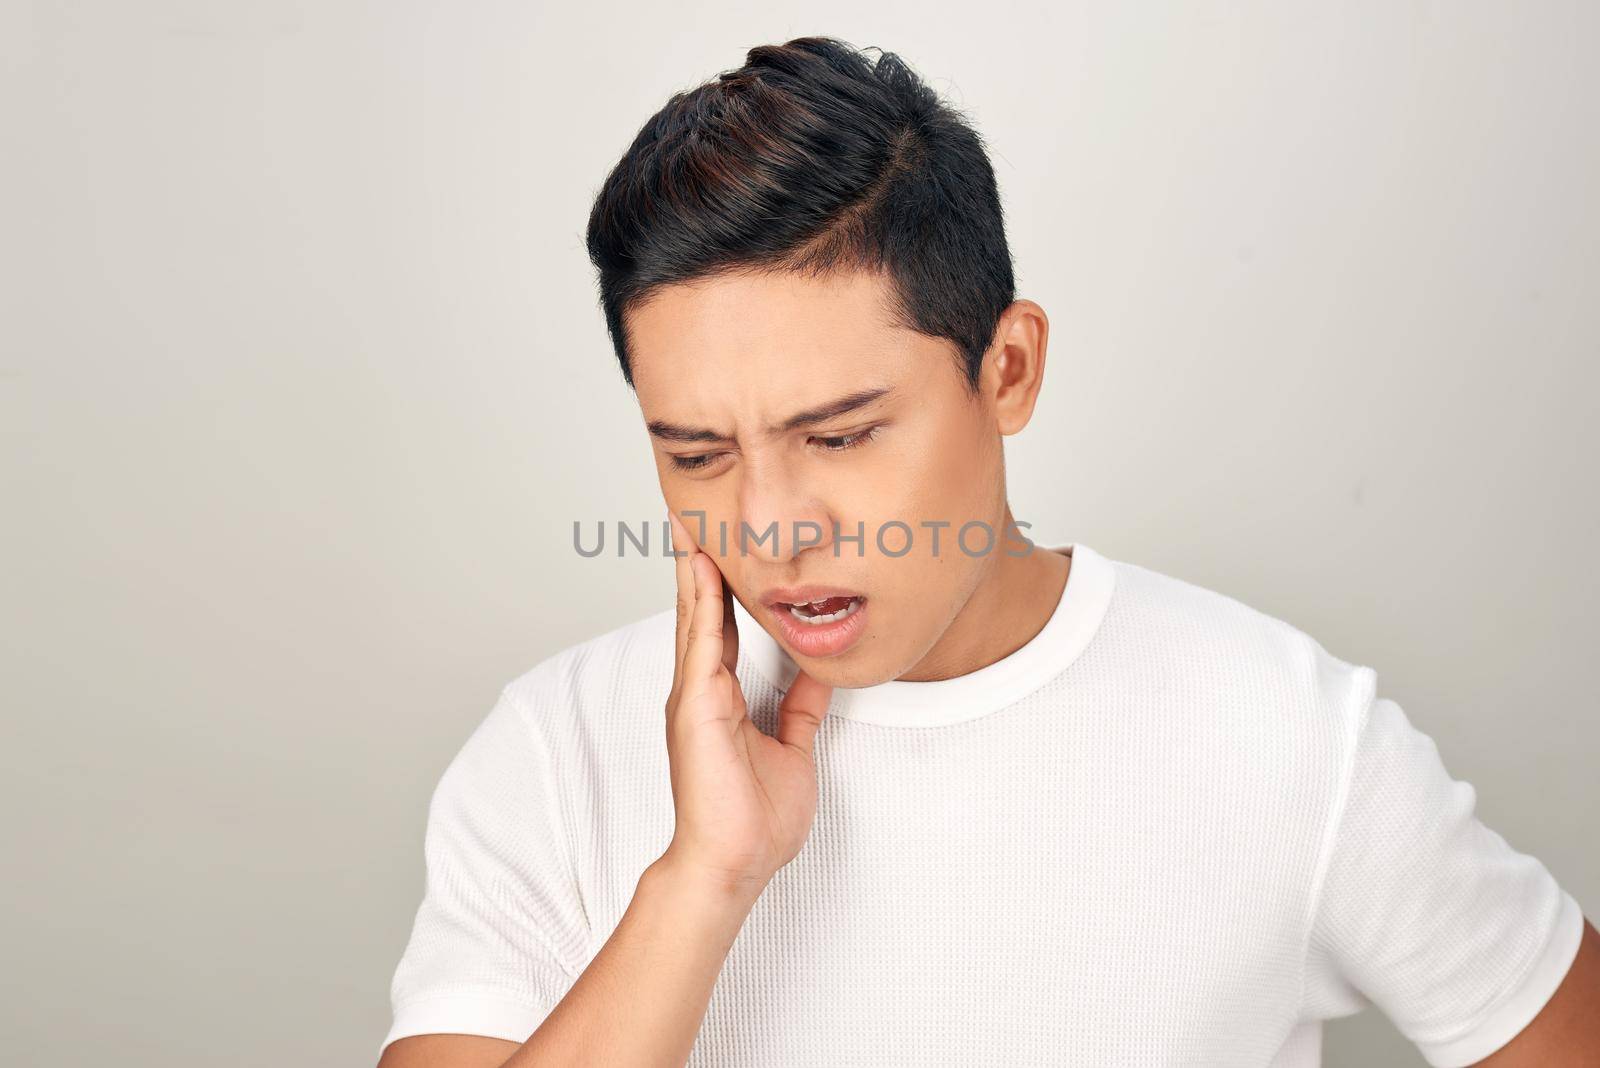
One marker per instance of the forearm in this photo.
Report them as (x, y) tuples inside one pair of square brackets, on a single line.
[(643, 997)]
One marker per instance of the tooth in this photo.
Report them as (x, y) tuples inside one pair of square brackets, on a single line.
[(817, 619)]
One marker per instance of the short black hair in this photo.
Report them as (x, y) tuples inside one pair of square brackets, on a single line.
[(811, 157)]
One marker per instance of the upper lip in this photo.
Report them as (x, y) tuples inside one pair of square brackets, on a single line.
[(779, 595)]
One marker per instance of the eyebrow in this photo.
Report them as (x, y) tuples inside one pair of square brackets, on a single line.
[(822, 412)]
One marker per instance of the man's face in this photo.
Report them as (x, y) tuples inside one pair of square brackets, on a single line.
[(723, 367)]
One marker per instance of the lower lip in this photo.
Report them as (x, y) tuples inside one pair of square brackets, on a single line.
[(820, 639)]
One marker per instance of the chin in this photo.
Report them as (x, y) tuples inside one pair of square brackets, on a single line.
[(847, 672)]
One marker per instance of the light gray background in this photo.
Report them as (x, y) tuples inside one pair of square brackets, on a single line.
[(304, 384)]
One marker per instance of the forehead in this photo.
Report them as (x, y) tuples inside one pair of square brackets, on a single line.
[(759, 346)]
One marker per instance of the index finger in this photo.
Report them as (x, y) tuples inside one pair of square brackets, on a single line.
[(703, 653), (682, 567)]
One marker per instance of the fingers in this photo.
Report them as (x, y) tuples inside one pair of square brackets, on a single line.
[(707, 634), (702, 658), (682, 543), (803, 709)]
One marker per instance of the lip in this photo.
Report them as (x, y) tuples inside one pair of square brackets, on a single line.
[(815, 640), (801, 594)]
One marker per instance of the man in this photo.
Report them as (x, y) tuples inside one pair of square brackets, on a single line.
[(895, 785)]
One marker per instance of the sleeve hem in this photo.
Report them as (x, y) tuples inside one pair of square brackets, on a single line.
[(488, 1015), (1517, 1011)]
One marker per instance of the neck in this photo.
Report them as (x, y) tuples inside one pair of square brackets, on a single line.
[(1013, 600)]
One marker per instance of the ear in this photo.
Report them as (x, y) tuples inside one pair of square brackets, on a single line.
[(1013, 371)]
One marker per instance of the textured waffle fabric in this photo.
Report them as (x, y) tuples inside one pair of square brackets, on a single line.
[(1169, 830)]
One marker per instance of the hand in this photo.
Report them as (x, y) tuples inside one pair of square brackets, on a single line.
[(744, 800)]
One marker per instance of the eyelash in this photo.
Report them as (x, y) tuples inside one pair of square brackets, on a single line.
[(859, 438), (851, 441)]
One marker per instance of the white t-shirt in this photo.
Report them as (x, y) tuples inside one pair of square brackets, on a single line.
[(1169, 830)]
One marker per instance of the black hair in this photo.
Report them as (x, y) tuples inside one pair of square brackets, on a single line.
[(810, 158)]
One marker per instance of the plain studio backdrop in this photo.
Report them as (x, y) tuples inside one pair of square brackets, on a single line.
[(304, 385)]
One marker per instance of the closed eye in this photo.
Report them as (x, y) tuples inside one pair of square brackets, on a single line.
[(825, 442), (839, 443), (693, 463)]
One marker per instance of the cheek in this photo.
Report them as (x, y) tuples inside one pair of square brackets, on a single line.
[(944, 473), (947, 473), (697, 504), (712, 517)]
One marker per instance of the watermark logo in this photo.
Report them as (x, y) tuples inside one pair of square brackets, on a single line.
[(892, 538)]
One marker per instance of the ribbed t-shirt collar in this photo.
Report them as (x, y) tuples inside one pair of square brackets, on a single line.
[(900, 703)]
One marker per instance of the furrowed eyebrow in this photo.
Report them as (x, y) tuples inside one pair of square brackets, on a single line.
[(832, 410), (687, 434)]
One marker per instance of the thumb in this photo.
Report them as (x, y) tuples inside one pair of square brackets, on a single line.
[(802, 711)]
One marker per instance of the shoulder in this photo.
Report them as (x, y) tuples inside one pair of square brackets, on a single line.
[(629, 665), (575, 720), (1258, 670)]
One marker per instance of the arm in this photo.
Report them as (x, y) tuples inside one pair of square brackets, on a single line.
[(1567, 1029), (642, 998), (639, 1002), (743, 802), (1472, 949)]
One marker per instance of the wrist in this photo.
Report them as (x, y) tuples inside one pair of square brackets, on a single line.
[(703, 883)]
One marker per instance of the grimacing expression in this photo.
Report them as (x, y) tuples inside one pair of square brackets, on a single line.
[(724, 364)]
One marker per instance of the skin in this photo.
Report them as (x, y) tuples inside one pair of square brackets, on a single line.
[(745, 801), (703, 363), (1567, 1029)]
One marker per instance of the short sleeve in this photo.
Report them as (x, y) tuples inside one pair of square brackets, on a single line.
[(1425, 912), (500, 935)]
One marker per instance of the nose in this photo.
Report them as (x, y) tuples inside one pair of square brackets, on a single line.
[(780, 516)]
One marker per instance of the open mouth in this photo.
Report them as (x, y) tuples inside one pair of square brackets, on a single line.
[(828, 610), (820, 628)]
